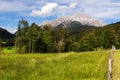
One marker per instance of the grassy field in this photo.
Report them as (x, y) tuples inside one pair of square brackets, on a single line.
[(8, 50), (116, 66), (67, 66)]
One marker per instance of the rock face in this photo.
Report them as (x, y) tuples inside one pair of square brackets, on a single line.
[(81, 18)]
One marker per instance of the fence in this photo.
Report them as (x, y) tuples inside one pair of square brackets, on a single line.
[(110, 63)]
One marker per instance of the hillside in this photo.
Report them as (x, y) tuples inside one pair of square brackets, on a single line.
[(6, 37), (115, 26), (4, 34)]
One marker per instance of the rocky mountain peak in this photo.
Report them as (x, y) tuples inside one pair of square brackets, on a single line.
[(82, 18)]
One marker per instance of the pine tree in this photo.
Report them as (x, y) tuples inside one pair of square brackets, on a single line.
[(33, 35), (47, 38), (88, 42), (21, 40), (60, 36), (110, 38)]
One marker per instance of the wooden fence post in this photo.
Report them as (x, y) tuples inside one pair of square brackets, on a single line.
[(110, 63)]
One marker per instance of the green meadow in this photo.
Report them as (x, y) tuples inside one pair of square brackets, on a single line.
[(67, 66), (116, 65), (8, 50)]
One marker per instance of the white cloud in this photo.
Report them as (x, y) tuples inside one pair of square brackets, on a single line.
[(101, 9), (97, 8), (12, 6), (63, 7), (46, 10), (50, 8), (73, 5)]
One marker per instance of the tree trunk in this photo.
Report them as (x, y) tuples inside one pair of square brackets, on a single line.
[(15, 46), (29, 46), (33, 47)]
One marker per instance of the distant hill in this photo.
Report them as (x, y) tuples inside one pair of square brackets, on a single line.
[(116, 24), (6, 37), (4, 34)]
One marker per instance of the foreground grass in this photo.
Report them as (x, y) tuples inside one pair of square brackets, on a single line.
[(67, 66), (116, 65)]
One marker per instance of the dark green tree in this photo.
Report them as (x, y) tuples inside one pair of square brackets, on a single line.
[(60, 37), (118, 37), (110, 38), (88, 42), (33, 34), (21, 39), (47, 38)]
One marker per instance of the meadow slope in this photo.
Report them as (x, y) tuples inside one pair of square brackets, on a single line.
[(67, 66)]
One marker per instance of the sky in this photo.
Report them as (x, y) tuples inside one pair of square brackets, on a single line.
[(11, 11)]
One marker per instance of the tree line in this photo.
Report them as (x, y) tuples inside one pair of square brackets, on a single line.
[(47, 39)]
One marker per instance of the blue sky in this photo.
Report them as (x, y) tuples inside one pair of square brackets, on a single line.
[(38, 11)]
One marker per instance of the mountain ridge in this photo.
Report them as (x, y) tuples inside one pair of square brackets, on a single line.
[(82, 18), (4, 34)]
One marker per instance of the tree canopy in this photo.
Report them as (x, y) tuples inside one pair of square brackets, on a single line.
[(48, 39)]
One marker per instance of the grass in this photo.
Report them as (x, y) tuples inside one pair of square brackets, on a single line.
[(67, 66), (8, 50), (116, 65)]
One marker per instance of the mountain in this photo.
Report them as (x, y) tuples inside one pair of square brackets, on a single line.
[(82, 18), (76, 26), (75, 23), (4, 34)]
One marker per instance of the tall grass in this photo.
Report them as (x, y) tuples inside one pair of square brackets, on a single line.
[(8, 50), (67, 66), (116, 66)]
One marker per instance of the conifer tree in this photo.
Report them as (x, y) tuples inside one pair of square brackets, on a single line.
[(88, 42), (110, 38), (60, 36), (21, 40)]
